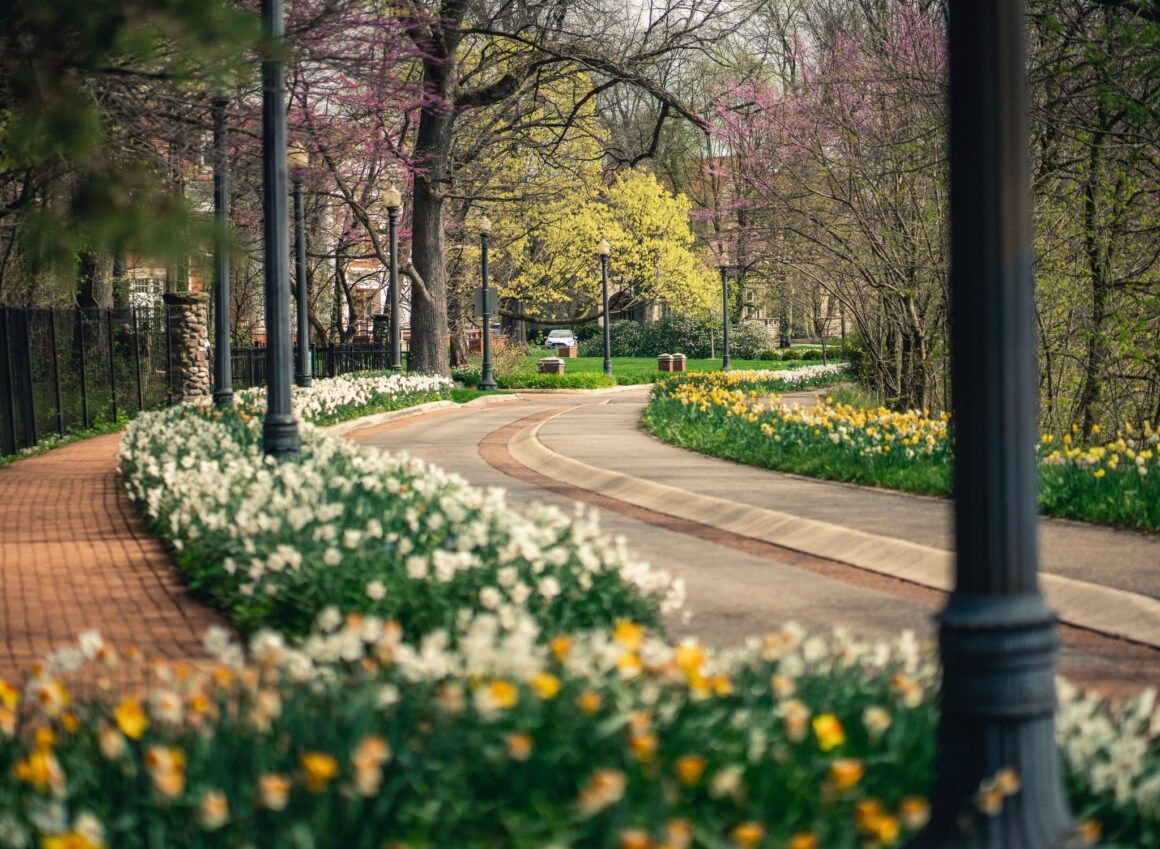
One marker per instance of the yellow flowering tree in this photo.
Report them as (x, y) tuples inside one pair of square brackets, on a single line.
[(549, 257)]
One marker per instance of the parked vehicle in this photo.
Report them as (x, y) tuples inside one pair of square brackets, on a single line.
[(560, 338)]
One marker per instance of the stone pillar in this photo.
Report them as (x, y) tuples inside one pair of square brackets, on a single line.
[(381, 334), (188, 327)]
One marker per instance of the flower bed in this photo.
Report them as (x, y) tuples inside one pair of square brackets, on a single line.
[(733, 416), (598, 739), (350, 396), (274, 543), (527, 706)]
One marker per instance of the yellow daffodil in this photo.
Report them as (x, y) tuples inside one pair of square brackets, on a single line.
[(505, 694), (643, 746), (71, 840), (689, 769), (561, 647), (829, 732), (635, 838), (589, 702), (43, 772), (546, 684), (628, 634), (131, 718), (318, 769), (845, 773), (748, 835)]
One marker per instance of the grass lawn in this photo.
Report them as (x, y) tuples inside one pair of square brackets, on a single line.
[(625, 370)]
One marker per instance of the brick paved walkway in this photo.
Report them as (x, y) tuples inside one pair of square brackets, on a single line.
[(74, 555)]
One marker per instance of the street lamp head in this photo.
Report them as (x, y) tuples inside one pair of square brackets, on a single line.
[(392, 198), (298, 157), (603, 248), (484, 225)]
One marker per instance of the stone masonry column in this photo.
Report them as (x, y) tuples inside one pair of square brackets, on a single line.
[(381, 335), (188, 329)]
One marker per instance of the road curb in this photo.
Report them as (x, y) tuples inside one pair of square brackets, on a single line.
[(1106, 610), (343, 428)]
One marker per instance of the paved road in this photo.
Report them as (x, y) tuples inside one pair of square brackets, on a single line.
[(737, 586)]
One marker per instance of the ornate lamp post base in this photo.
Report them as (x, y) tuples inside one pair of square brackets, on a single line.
[(997, 721), (280, 435)]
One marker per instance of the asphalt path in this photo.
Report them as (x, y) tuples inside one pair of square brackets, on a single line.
[(737, 587)]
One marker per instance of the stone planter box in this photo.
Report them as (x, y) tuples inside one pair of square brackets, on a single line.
[(664, 362), (679, 362), (566, 350), (551, 365)]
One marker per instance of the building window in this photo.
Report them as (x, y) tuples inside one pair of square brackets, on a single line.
[(145, 290)]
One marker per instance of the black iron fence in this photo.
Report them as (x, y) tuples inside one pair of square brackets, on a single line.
[(248, 365), (66, 370)]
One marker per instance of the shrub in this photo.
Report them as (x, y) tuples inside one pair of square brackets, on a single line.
[(790, 354), (854, 351), (811, 354), (589, 330), (678, 335), (769, 354), (575, 380), (748, 339)]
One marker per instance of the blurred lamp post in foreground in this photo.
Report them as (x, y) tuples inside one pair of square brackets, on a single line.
[(223, 391), (279, 428), (997, 637)]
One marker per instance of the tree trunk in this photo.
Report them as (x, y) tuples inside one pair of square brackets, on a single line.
[(95, 281), (429, 343), (1093, 359)]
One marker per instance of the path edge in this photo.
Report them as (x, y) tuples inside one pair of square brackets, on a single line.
[(1105, 610)]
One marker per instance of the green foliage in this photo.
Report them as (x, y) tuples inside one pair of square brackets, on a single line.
[(574, 380), (591, 330), (77, 76), (678, 334)]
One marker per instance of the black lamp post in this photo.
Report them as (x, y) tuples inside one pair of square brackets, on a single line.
[(997, 637), (299, 161), (223, 392), (392, 200), (725, 361), (486, 380), (603, 249), (279, 428)]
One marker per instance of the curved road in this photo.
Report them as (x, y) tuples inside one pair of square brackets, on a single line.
[(739, 585)]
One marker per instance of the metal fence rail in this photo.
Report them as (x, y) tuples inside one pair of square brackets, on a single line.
[(65, 370), (68, 369), (248, 365)]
